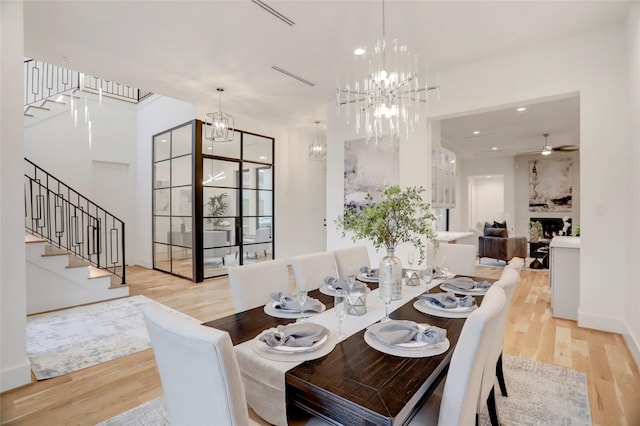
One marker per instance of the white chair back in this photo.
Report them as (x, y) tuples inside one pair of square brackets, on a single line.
[(198, 370), (351, 259), (464, 379), (462, 258), (516, 263), (310, 270), (252, 284), (214, 239), (508, 280), (261, 242)]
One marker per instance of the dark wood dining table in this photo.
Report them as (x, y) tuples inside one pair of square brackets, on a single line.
[(356, 384)]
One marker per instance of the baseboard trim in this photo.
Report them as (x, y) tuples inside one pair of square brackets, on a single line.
[(599, 322), (633, 345), (15, 377)]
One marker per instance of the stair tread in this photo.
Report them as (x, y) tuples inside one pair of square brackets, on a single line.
[(28, 238), (98, 273)]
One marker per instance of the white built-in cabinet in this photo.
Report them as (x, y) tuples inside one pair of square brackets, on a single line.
[(564, 276), (443, 178)]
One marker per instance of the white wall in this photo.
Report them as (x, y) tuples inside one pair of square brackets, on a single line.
[(15, 369), (595, 66), (632, 290), (486, 199)]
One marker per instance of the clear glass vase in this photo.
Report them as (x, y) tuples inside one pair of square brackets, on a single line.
[(390, 271)]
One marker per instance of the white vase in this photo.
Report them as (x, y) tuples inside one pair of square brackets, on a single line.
[(390, 271)]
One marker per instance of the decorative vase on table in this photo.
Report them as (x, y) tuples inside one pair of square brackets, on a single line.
[(390, 271)]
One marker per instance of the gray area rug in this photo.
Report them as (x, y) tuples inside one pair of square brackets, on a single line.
[(68, 340), (539, 394)]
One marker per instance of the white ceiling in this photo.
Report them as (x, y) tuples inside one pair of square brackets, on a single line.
[(186, 49)]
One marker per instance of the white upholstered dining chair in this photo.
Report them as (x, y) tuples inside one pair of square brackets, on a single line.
[(351, 259), (462, 257), (459, 400), (516, 263), (198, 370), (252, 284), (508, 281), (310, 270)]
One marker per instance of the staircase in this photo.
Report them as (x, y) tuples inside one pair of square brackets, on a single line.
[(57, 279)]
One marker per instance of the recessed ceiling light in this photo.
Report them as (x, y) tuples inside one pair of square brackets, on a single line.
[(476, 132), (359, 51), (163, 140), (521, 109), (453, 161), (494, 148)]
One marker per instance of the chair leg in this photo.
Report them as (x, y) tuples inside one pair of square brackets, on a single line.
[(500, 374), (491, 405)]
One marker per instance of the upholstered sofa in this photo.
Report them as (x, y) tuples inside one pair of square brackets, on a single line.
[(497, 244)]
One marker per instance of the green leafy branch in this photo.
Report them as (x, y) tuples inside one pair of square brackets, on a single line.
[(401, 216)]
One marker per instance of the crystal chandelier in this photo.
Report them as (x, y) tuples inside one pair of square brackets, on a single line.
[(219, 125), (317, 150), (389, 96)]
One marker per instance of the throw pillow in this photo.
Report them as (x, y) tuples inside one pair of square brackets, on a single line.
[(502, 224), (496, 232)]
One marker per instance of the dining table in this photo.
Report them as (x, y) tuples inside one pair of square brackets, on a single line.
[(352, 384)]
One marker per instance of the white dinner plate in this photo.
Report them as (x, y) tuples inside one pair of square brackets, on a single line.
[(271, 310), (364, 278), (429, 309), (294, 349), (472, 292), (325, 289), (407, 350), (457, 309)]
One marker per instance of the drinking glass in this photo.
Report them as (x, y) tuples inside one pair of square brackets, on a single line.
[(340, 307), (301, 295), (411, 257), (351, 276), (386, 292)]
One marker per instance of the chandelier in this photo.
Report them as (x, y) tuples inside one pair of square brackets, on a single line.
[(317, 150), (389, 96), (219, 125)]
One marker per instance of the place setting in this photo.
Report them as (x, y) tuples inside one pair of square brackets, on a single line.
[(465, 286), (298, 341), (367, 275), (407, 338), (332, 284), (446, 305), (289, 307)]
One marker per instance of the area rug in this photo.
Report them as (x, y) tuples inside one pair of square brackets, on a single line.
[(539, 394), (68, 340)]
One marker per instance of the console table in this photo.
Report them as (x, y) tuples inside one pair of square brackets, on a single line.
[(539, 249)]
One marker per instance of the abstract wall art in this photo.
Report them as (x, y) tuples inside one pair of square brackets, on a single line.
[(367, 168), (550, 185)]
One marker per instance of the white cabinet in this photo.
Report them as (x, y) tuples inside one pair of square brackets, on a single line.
[(564, 276), (443, 178)]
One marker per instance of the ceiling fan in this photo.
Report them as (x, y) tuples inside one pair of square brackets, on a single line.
[(548, 149)]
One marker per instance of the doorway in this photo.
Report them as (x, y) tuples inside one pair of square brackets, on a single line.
[(486, 199)]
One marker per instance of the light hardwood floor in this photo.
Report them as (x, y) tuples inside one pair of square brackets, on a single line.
[(98, 393)]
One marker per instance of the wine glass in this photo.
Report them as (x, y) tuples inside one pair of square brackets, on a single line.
[(301, 295), (340, 307), (386, 292), (411, 257), (445, 267), (351, 276), (427, 274)]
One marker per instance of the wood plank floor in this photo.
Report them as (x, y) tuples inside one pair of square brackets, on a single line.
[(97, 393)]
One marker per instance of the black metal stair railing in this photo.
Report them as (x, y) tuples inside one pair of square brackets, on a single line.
[(43, 81), (72, 222)]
